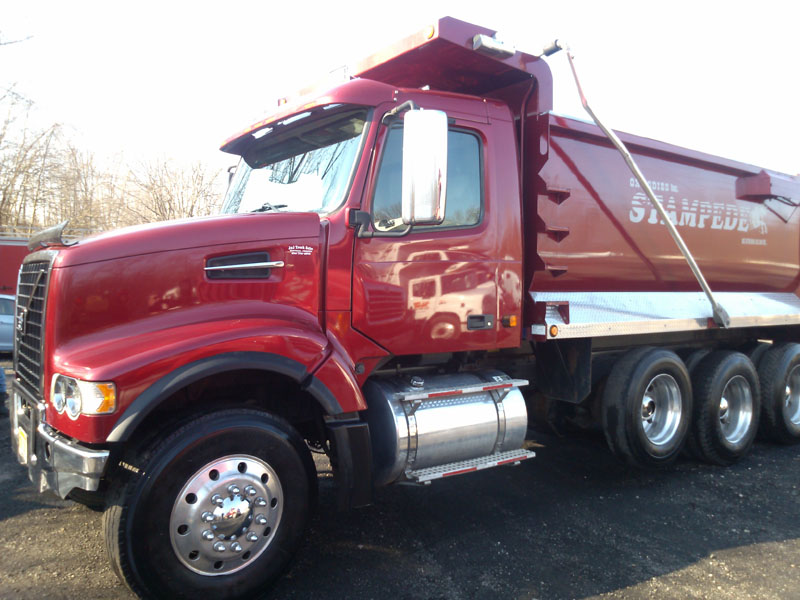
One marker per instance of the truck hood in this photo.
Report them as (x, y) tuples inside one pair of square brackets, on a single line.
[(190, 233)]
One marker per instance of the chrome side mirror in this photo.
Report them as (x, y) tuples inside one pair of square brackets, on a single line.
[(424, 167)]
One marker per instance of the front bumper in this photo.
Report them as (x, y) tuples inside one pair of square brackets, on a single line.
[(54, 461)]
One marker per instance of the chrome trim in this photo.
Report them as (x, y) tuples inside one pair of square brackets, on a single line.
[(54, 462), (41, 256), (70, 458), (661, 410), (213, 521), (736, 410), (48, 256), (53, 236), (601, 314), (275, 264), (509, 457), (457, 417)]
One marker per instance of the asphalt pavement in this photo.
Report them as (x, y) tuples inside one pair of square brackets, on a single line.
[(570, 523)]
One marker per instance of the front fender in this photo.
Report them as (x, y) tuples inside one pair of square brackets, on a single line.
[(337, 374), (138, 363), (194, 371)]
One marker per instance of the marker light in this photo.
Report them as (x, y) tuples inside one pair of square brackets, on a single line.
[(492, 47)]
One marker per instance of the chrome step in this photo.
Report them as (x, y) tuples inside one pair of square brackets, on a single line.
[(511, 457)]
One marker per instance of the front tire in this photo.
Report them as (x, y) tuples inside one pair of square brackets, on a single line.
[(95, 501), (647, 406), (217, 509)]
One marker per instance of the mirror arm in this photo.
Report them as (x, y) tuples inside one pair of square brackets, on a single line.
[(407, 105), (361, 219)]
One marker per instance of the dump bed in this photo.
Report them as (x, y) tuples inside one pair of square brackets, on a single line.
[(603, 257)]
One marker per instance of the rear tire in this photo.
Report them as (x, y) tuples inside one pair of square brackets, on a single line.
[(779, 372), (726, 407), (691, 449), (755, 351), (216, 510), (647, 406)]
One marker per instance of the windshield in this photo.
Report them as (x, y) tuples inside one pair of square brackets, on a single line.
[(301, 164)]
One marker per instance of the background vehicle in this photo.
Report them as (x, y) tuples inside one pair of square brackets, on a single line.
[(177, 373), (6, 323), (12, 251)]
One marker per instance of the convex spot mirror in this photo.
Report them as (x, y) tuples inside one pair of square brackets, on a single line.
[(424, 167)]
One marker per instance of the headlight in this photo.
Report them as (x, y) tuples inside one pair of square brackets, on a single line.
[(87, 397), (57, 396)]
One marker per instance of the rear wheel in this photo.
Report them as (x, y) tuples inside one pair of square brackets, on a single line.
[(726, 407), (779, 372), (647, 405), (216, 509)]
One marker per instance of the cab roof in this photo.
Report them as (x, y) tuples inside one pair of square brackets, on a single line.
[(443, 56)]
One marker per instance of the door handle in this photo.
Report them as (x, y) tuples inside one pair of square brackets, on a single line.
[(480, 322)]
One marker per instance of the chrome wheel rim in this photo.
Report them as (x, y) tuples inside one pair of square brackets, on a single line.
[(226, 515), (791, 405), (736, 409), (661, 409)]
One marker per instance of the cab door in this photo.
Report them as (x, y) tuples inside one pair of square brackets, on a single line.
[(434, 288)]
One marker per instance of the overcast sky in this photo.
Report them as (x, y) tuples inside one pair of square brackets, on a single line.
[(177, 78)]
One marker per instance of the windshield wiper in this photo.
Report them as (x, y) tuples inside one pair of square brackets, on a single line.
[(267, 207)]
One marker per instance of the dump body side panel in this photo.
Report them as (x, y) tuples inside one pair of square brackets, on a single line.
[(595, 229)]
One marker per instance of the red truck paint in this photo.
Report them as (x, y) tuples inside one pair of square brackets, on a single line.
[(618, 244), (580, 282)]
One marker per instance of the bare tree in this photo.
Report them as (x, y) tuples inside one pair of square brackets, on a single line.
[(164, 191), (45, 179)]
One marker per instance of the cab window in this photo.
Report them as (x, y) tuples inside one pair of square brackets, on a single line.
[(463, 205)]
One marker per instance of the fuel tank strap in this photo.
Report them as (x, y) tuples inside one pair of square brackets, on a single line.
[(429, 394)]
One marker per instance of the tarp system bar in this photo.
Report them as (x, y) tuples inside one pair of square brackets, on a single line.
[(720, 316)]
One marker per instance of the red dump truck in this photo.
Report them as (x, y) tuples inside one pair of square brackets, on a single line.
[(408, 268)]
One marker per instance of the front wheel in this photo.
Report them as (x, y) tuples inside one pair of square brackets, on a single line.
[(218, 508)]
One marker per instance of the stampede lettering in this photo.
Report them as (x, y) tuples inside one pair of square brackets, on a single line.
[(701, 214)]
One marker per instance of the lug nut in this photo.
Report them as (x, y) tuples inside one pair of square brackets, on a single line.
[(250, 490), (217, 499), (261, 502), (261, 519), (236, 547), (233, 489), (252, 536), (207, 517), (208, 535), (219, 547)]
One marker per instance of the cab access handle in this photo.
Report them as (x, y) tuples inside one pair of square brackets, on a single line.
[(480, 322)]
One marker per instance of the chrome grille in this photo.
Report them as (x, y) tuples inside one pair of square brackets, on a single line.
[(29, 324)]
